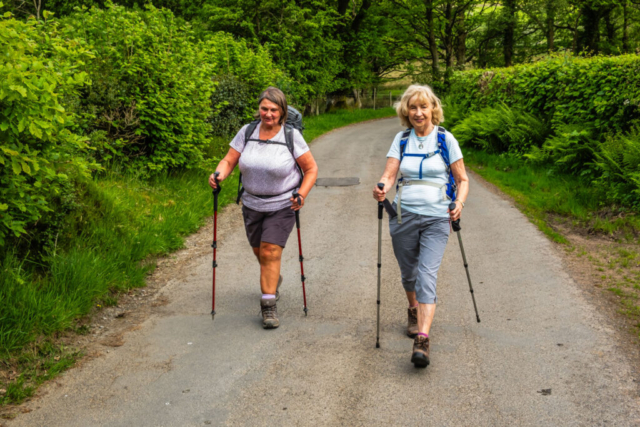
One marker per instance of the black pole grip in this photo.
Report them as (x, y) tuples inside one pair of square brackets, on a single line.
[(455, 224), (380, 204), (297, 197), (216, 191)]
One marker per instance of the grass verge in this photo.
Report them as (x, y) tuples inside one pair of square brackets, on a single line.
[(605, 237), (107, 246)]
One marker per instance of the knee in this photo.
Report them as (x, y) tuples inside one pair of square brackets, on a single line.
[(270, 253)]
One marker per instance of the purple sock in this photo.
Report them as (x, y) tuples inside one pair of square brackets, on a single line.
[(268, 296), (424, 335)]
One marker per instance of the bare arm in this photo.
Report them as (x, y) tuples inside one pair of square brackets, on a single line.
[(310, 169), (388, 178), (225, 167), (462, 181)]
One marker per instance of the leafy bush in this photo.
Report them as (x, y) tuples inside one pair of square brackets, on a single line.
[(501, 129), (602, 91), (456, 111), (254, 67), (150, 97), (572, 148), (241, 74), (232, 104), (618, 162), (39, 153)]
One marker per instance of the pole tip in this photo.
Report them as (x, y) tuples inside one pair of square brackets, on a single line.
[(213, 314), (478, 318), (305, 311), (377, 345)]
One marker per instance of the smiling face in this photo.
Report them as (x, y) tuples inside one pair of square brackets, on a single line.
[(420, 114), (270, 113)]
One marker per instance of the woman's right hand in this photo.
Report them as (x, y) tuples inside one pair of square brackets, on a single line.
[(379, 194), (212, 180)]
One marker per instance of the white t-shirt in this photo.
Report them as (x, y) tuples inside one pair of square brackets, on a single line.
[(420, 199), (268, 169)]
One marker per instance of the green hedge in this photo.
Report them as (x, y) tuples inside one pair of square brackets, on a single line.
[(149, 101), (39, 153), (601, 91)]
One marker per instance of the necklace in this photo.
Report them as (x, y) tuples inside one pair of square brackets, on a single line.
[(421, 141)]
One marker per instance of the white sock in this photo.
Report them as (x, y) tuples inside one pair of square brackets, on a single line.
[(268, 296)]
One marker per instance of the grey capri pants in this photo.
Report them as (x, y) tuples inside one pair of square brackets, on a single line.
[(419, 244)]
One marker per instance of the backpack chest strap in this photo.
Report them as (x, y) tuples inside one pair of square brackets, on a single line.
[(424, 157)]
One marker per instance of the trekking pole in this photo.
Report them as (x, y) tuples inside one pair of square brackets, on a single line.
[(380, 208), (304, 293), (456, 227), (214, 245)]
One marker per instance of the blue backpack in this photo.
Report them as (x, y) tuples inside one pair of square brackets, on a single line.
[(448, 190)]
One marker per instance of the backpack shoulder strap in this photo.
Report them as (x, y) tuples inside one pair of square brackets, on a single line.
[(452, 188), (250, 129), (288, 137), (442, 145), (247, 135), (404, 139)]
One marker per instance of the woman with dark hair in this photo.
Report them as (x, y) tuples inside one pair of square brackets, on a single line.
[(270, 175)]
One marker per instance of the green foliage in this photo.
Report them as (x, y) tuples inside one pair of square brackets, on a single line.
[(571, 149), (601, 91), (456, 111), (254, 67), (501, 130), (301, 37), (150, 98), (232, 105), (39, 153), (618, 162)]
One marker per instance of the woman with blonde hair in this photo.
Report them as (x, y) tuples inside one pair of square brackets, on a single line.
[(420, 231)]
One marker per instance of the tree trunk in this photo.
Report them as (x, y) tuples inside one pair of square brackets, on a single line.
[(449, 26), (589, 37), (433, 46), (625, 26), (551, 28), (461, 45), (508, 39), (610, 29)]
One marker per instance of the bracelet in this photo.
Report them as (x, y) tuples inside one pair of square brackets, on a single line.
[(462, 203)]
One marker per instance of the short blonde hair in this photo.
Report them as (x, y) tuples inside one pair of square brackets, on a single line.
[(425, 93)]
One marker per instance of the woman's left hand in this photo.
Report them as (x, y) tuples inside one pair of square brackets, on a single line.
[(455, 214), (294, 202)]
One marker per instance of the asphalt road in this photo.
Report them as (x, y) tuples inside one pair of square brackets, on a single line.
[(541, 356)]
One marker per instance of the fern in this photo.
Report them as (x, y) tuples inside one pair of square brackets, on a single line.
[(502, 130), (618, 164)]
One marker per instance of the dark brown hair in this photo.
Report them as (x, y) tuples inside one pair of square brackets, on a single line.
[(276, 96)]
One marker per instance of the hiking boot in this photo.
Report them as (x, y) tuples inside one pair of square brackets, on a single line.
[(412, 324), (278, 288), (269, 313), (420, 356)]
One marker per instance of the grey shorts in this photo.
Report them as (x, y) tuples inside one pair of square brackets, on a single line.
[(269, 227), (419, 244)]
